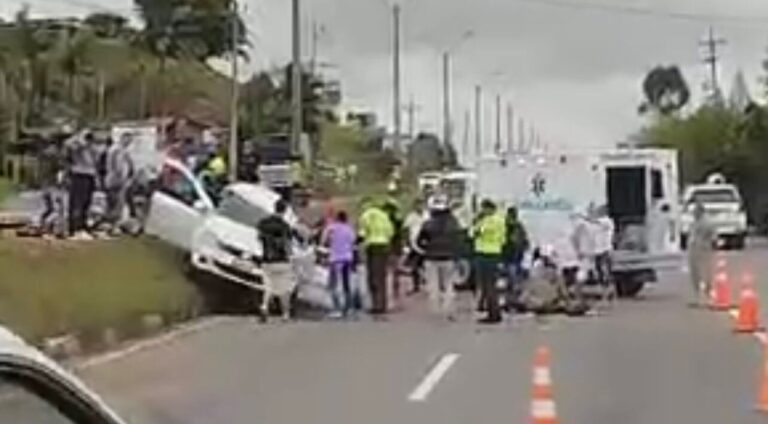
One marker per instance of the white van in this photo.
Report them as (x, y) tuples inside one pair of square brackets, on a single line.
[(638, 186)]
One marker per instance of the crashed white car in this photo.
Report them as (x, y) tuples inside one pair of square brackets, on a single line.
[(222, 239)]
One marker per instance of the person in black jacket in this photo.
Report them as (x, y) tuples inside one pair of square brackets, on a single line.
[(440, 241)]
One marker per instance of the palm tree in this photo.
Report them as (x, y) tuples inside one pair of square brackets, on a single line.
[(73, 57)]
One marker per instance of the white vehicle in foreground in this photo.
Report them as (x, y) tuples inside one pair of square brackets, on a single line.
[(221, 239), (34, 389), (639, 187), (723, 209)]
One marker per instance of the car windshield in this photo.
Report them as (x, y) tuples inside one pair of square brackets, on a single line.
[(721, 195), (455, 189), (238, 209)]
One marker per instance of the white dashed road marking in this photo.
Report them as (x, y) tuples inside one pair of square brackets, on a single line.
[(422, 391)]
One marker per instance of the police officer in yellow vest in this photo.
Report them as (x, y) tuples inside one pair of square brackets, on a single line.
[(376, 231), (489, 234)]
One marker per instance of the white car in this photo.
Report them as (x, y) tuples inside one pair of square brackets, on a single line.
[(221, 240), (34, 389), (723, 209)]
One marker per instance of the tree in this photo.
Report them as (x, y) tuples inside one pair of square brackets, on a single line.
[(665, 90), (109, 25), (195, 29), (73, 57)]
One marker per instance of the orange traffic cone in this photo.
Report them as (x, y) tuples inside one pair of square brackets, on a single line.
[(543, 409), (748, 318), (721, 293), (762, 397)]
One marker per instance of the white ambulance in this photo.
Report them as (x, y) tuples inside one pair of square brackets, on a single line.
[(639, 187)]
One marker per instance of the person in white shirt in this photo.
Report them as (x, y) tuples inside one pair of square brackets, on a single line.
[(604, 247), (412, 224)]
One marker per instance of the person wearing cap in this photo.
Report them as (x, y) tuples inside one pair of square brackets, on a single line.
[(376, 232), (489, 234), (440, 241)]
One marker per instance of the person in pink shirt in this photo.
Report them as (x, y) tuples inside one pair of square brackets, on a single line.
[(340, 238)]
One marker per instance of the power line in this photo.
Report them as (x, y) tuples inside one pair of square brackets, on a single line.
[(642, 11)]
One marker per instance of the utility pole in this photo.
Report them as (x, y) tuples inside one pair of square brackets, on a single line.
[(510, 128), (497, 148), (465, 141), (711, 43), (235, 96), (317, 30), (531, 137), (478, 122), (396, 74), (296, 98), (446, 98), (521, 134), (411, 108), (100, 102)]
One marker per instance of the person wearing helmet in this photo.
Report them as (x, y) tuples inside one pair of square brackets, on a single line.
[(440, 240)]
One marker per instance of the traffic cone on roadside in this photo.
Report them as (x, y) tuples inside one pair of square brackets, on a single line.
[(748, 318), (721, 292), (762, 396), (543, 409)]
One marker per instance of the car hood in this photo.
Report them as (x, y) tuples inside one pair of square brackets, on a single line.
[(232, 233)]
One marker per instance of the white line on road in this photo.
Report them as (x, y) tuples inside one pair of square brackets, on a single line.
[(421, 392), (164, 338)]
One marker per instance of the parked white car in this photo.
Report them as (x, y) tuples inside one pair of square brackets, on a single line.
[(34, 389), (723, 208), (222, 240)]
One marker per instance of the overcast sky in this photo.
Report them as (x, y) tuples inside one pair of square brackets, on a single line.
[(572, 69)]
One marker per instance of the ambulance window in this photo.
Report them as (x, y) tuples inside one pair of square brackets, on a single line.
[(657, 186)]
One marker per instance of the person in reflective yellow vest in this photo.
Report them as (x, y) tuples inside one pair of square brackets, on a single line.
[(376, 231), (489, 236)]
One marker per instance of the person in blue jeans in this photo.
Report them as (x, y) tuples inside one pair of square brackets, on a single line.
[(340, 238)]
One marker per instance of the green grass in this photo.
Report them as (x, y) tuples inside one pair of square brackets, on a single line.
[(5, 189), (52, 289)]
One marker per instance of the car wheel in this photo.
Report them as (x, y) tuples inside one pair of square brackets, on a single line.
[(683, 241), (628, 287)]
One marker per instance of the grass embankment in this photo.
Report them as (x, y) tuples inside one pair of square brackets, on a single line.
[(5, 189), (49, 289)]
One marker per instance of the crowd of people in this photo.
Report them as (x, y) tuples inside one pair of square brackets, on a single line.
[(72, 172), (431, 242)]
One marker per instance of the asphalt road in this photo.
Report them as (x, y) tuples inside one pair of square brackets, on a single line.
[(651, 360)]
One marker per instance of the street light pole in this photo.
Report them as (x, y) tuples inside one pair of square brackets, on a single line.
[(396, 75), (478, 122), (498, 124), (446, 98), (296, 98), (235, 96)]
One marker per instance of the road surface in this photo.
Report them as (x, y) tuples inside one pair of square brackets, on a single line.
[(652, 360)]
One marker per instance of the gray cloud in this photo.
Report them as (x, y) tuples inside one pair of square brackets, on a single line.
[(575, 71)]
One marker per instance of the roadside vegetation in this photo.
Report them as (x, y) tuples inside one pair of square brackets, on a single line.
[(725, 134), (50, 289), (5, 189)]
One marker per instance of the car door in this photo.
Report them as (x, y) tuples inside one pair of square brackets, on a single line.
[(178, 206), (33, 393)]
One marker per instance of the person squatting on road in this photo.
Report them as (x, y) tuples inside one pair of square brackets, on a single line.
[(440, 241), (700, 242), (81, 157), (119, 174), (277, 237), (376, 231), (413, 222), (340, 237), (514, 250), (489, 234)]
